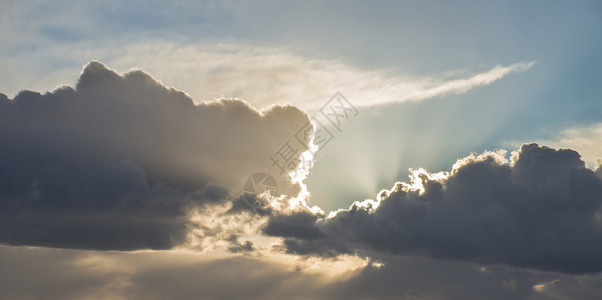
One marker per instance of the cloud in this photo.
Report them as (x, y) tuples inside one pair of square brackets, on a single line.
[(582, 287), (432, 87), (260, 75), (586, 139), (120, 161), (31, 273), (270, 75), (539, 210)]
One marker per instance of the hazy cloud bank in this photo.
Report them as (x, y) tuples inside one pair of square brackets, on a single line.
[(75, 274)]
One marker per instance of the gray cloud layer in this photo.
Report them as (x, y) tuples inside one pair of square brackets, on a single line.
[(42, 273), (540, 211), (117, 162)]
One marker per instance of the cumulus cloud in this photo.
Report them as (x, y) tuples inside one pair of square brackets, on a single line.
[(121, 160), (540, 209), (587, 140)]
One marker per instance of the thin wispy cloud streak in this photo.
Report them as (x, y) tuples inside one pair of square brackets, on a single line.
[(462, 85), (264, 75)]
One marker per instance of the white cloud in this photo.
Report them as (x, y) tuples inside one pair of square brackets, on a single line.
[(266, 75), (260, 75)]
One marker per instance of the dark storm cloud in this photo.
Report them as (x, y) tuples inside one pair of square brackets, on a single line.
[(296, 224), (540, 211), (117, 162)]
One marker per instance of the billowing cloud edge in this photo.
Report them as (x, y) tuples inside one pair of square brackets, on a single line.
[(539, 209), (120, 162)]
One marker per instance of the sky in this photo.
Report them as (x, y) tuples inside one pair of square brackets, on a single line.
[(300, 150)]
